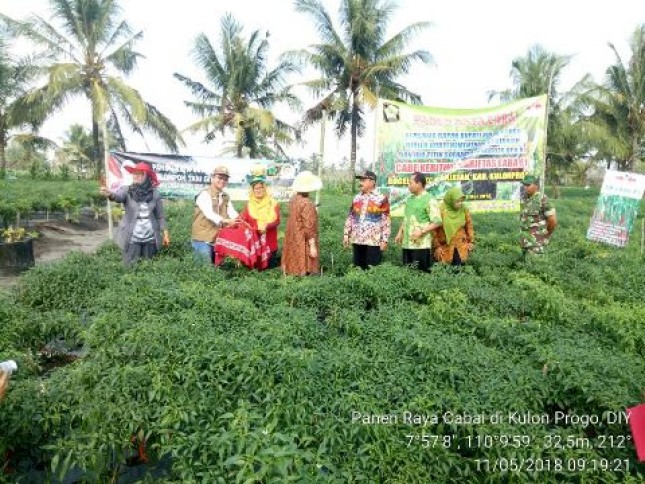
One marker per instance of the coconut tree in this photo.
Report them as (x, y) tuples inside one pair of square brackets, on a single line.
[(539, 72), (16, 76), (89, 49), (28, 151), (239, 91), (77, 148), (618, 104), (358, 63)]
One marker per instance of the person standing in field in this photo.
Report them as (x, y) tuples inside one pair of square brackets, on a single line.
[(454, 240), (213, 211), (421, 216), (368, 225), (537, 218), (300, 254), (262, 214), (142, 230)]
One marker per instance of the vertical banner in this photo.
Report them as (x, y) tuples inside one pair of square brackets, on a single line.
[(616, 209), (486, 151), (186, 176)]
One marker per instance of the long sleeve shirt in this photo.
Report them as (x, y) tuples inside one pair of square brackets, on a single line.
[(368, 221), (205, 204)]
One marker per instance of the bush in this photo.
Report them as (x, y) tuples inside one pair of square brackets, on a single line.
[(229, 375)]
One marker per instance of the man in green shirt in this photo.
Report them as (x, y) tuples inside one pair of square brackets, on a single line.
[(421, 216), (537, 218)]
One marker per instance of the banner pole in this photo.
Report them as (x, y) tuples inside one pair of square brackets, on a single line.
[(106, 162)]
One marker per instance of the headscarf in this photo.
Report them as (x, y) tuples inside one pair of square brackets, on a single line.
[(142, 192), (453, 218), (262, 209)]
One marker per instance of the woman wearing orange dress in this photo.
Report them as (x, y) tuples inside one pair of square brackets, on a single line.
[(300, 254)]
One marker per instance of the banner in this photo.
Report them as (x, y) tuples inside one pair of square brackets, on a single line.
[(186, 176), (485, 151), (616, 208)]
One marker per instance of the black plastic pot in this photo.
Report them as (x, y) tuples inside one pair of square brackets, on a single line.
[(16, 257)]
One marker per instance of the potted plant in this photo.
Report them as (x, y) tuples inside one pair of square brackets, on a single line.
[(16, 251)]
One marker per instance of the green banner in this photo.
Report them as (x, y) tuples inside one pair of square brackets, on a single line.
[(485, 151), (617, 207)]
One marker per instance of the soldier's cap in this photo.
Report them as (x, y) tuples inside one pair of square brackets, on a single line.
[(530, 180), (370, 175)]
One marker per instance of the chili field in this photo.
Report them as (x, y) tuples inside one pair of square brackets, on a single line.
[(505, 370)]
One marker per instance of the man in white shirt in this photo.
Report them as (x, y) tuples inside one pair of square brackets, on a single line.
[(213, 210)]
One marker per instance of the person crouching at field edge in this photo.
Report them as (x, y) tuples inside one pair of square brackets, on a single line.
[(420, 217), (139, 234), (537, 218), (368, 226), (300, 253), (453, 241), (213, 210), (4, 383)]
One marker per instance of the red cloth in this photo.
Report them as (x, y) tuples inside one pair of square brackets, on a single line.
[(637, 425), (242, 243), (271, 229)]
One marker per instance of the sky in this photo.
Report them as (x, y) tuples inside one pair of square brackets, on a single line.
[(473, 43)]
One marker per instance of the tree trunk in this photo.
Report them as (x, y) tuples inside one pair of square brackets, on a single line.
[(631, 163), (239, 140), (3, 158), (352, 154), (97, 151)]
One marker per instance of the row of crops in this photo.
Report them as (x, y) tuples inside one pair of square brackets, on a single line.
[(177, 371), (19, 198)]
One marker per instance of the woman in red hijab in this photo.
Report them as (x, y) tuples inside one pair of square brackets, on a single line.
[(140, 231)]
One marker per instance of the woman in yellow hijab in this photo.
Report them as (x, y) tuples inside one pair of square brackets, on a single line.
[(454, 240), (262, 213)]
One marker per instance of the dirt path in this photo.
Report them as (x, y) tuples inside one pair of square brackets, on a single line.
[(58, 238)]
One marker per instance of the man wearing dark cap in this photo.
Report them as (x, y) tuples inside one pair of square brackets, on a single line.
[(537, 218), (213, 210), (368, 226)]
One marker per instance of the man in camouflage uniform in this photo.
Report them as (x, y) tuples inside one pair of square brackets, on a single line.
[(537, 218)]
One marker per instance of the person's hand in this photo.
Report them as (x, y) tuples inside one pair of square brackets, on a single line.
[(416, 235), (104, 191), (313, 251), (399, 238), (383, 246), (4, 383), (346, 241), (228, 222), (166, 239)]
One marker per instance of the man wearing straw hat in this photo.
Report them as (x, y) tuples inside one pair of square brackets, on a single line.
[(213, 211)]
